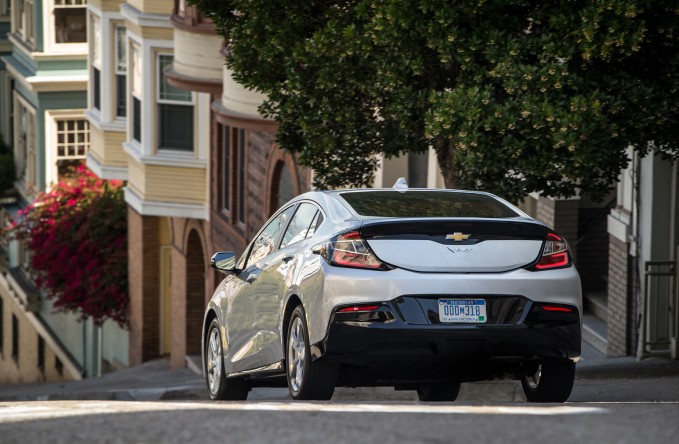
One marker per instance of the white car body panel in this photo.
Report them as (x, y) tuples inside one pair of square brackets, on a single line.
[(351, 286), (428, 256)]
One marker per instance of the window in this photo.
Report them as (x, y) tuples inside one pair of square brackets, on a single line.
[(95, 51), (15, 338), (136, 91), (69, 21), (233, 174), (266, 240), (299, 225), (5, 7), (24, 141), (175, 112), (41, 354), (226, 169), (73, 142), (241, 175), (121, 71)]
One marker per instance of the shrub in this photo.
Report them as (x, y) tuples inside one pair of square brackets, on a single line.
[(77, 236)]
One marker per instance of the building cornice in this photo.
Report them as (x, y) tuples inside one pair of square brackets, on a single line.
[(165, 158), (106, 171), (143, 19), (165, 209)]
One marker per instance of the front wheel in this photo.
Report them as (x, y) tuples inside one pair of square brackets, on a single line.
[(219, 387), (307, 379), (552, 382)]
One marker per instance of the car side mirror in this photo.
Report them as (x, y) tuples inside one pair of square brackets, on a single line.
[(224, 261)]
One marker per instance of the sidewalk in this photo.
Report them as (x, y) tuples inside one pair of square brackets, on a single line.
[(598, 379)]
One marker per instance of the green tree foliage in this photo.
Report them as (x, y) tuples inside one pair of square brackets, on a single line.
[(514, 96), (7, 169)]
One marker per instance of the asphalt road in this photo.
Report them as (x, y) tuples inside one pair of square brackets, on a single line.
[(335, 422)]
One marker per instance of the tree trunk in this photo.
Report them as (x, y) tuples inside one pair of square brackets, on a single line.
[(445, 154)]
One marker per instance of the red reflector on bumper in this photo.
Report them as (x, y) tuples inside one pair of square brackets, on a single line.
[(561, 309), (358, 308)]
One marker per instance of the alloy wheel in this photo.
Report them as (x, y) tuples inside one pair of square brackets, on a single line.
[(214, 361), (296, 355)]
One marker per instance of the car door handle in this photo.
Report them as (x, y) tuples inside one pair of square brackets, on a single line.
[(287, 259)]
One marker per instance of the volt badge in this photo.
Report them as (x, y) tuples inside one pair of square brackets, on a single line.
[(457, 237)]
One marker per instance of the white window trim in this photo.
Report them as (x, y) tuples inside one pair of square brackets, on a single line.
[(19, 26), (91, 42), (135, 48), (51, 170), (50, 41), (30, 178)]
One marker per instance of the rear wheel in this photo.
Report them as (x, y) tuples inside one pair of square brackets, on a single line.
[(219, 387), (438, 391), (552, 382), (307, 379)]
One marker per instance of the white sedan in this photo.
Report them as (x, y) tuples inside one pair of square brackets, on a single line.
[(419, 289)]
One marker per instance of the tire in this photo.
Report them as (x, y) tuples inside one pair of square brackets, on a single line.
[(552, 382), (307, 379), (219, 387), (438, 391)]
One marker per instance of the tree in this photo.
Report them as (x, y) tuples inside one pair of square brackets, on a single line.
[(77, 235), (514, 96)]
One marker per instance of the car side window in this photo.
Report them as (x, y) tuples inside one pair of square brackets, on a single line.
[(318, 220), (266, 239), (299, 225)]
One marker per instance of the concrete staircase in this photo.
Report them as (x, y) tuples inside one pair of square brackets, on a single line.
[(595, 321)]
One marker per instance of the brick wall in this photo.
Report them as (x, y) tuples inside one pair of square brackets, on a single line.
[(620, 301), (196, 268), (226, 233), (562, 216), (144, 284), (178, 348)]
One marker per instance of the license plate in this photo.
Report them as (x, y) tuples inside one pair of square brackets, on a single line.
[(462, 310)]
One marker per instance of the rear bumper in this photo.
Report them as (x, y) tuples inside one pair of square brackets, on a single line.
[(388, 349)]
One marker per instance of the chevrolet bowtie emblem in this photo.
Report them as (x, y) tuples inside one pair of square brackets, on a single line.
[(458, 236)]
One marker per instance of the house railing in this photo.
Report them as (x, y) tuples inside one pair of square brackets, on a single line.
[(659, 329)]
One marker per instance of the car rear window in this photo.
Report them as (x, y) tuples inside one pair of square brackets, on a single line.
[(426, 204)]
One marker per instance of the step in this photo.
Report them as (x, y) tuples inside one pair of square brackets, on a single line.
[(595, 332), (596, 303)]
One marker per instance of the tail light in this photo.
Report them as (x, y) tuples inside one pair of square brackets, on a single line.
[(555, 253), (351, 250)]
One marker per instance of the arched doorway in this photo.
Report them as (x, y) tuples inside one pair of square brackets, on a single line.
[(195, 292), (282, 186)]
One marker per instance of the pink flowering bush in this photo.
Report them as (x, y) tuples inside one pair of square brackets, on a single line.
[(77, 236)]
